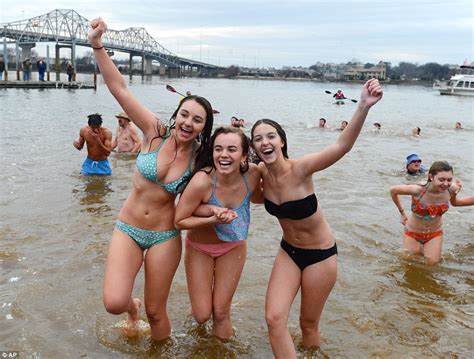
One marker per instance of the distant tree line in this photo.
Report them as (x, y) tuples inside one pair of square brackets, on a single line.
[(403, 71), (427, 72)]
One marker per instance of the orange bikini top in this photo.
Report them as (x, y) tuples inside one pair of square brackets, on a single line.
[(427, 211)]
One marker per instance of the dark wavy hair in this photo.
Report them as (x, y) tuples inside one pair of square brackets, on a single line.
[(204, 137), (278, 129)]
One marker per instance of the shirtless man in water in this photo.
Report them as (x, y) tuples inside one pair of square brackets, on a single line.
[(126, 137), (99, 146)]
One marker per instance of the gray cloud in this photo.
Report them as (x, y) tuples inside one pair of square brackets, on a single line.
[(297, 32)]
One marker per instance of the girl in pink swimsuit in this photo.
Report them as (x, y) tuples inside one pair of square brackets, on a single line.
[(215, 208)]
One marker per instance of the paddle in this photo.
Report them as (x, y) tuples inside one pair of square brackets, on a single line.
[(345, 98), (172, 89)]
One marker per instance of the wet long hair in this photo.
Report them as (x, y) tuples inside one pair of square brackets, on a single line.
[(203, 138), (278, 129), (439, 166)]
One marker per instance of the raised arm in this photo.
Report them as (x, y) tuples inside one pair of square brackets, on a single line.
[(136, 140), (371, 93), (139, 114)]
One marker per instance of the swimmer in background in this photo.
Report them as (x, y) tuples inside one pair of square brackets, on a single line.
[(416, 131), (126, 137), (99, 145), (322, 123), (343, 125), (414, 166)]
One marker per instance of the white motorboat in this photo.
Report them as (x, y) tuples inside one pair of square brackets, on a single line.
[(461, 84)]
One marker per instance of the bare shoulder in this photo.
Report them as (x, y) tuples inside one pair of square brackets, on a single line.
[(262, 169), (107, 133), (84, 130), (202, 180)]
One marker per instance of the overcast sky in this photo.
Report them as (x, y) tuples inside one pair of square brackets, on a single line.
[(279, 33)]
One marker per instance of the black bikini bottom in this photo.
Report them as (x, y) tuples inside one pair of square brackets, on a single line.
[(305, 257)]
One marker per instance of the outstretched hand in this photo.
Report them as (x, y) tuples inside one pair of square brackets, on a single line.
[(371, 92), (98, 28)]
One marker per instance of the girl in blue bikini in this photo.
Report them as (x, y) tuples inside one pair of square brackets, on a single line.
[(145, 231), (215, 207), (307, 257)]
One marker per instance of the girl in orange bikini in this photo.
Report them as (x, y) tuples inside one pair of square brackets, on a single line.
[(423, 228)]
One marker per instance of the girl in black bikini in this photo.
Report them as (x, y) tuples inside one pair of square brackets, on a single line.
[(306, 258)]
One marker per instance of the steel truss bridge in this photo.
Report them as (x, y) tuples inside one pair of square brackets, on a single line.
[(67, 28)]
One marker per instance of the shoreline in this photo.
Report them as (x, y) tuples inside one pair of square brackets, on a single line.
[(302, 79)]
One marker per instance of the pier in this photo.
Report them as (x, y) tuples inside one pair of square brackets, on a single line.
[(46, 85)]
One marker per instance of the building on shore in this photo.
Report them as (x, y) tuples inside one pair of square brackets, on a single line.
[(378, 71)]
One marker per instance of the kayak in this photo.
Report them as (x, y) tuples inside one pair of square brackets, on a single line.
[(339, 102)]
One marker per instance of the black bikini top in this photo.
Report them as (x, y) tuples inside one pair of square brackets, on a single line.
[(298, 209)]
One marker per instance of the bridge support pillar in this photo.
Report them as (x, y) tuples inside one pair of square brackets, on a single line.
[(48, 66), (162, 70), (26, 51), (148, 66), (130, 65), (57, 65), (174, 71), (5, 58), (73, 59)]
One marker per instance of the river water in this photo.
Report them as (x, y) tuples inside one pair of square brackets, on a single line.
[(55, 226)]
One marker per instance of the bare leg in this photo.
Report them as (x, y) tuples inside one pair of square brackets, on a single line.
[(124, 260), (227, 275), (199, 277), (283, 286), (161, 262), (432, 250), (411, 245), (317, 283)]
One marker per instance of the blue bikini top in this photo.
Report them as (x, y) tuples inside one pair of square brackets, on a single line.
[(147, 166), (238, 229)]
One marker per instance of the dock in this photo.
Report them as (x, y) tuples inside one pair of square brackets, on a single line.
[(46, 85)]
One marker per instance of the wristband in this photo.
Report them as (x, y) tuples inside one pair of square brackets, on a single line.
[(98, 48)]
